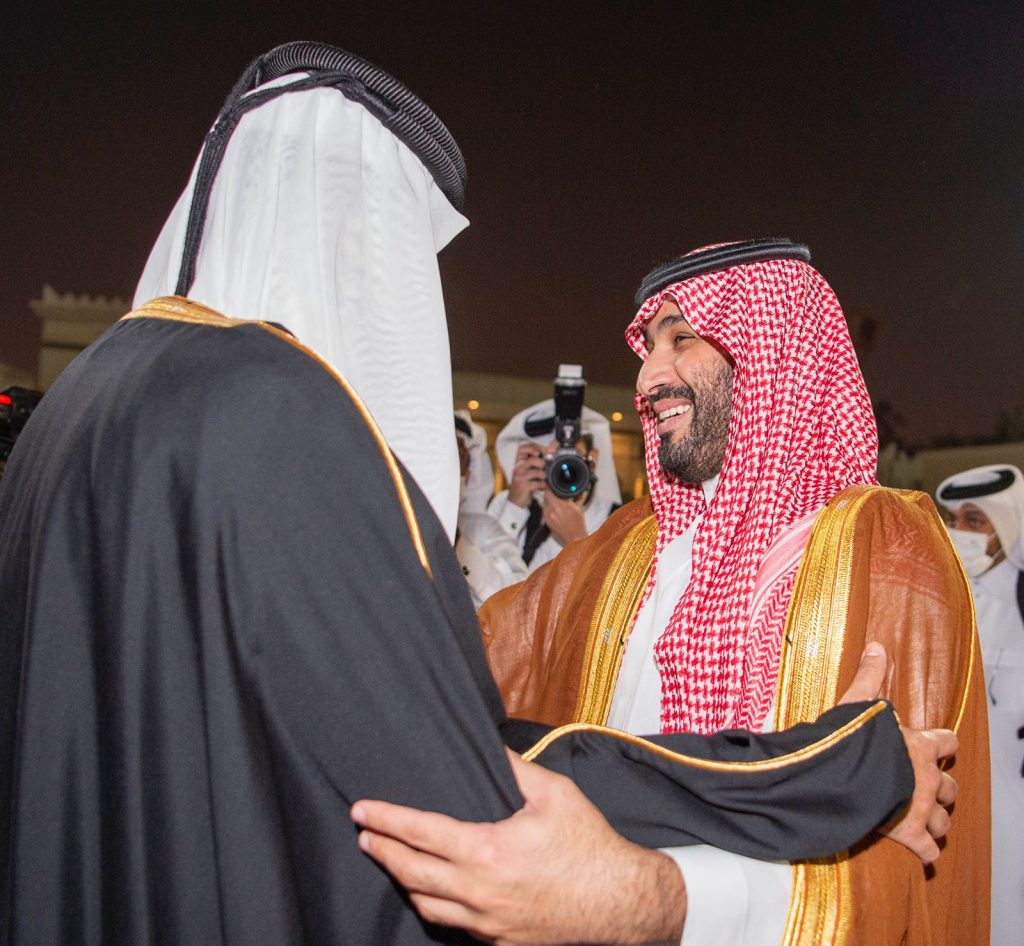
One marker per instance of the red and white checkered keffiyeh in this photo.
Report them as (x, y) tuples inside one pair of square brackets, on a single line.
[(801, 429)]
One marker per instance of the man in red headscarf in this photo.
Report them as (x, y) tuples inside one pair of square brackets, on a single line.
[(741, 593)]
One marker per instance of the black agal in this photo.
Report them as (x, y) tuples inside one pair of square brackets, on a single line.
[(398, 110), (717, 258)]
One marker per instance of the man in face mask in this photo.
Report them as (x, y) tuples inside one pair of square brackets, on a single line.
[(984, 508), (489, 557)]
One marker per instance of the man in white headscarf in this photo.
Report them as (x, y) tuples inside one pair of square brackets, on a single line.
[(488, 555), (230, 606), (323, 219), (541, 522), (478, 484), (985, 511)]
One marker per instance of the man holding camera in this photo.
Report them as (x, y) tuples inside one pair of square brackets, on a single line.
[(541, 515)]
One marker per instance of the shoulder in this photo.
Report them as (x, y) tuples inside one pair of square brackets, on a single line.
[(623, 519), (900, 525), (884, 560), (881, 501)]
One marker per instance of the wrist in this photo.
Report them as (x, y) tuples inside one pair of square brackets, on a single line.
[(652, 904), (664, 912)]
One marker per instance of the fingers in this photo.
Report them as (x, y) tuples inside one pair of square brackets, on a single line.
[(947, 789), (527, 474), (534, 780), (870, 676), (564, 517), (529, 457), (938, 822), (930, 746), (443, 912), (926, 820), (945, 740), (537, 785), (416, 871), (926, 849), (427, 831)]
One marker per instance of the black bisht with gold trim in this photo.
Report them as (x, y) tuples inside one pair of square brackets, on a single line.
[(227, 614)]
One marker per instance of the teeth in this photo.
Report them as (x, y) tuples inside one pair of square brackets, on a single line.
[(674, 411)]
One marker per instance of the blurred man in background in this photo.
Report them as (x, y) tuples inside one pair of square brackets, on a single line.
[(540, 522), (984, 508), (488, 555)]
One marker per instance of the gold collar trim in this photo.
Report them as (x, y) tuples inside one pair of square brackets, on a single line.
[(178, 309), (612, 621)]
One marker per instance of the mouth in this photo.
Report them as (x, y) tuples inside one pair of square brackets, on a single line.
[(671, 418), (674, 412)]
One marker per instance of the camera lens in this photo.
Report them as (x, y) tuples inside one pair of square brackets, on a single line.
[(568, 475)]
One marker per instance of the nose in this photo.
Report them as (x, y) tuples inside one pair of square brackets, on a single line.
[(655, 372)]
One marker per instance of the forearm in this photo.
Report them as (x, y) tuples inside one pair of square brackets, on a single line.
[(645, 904), (681, 789)]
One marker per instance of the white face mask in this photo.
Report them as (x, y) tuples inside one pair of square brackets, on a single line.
[(971, 547)]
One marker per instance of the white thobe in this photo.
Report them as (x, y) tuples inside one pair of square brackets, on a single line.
[(489, 557), (731, 899), (1001, 632), (513, 520)]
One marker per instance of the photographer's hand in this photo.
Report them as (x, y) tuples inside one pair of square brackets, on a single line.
[(564, 517), (527, 474)]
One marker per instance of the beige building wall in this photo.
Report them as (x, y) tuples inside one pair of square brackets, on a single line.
[(13, 378), (70, 323)]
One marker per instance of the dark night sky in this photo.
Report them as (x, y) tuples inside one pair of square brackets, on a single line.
[(889, 137)]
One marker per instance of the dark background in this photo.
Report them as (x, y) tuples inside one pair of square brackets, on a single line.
[(600, 139)]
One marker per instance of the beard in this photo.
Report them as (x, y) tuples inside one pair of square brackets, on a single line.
[(699, 454)]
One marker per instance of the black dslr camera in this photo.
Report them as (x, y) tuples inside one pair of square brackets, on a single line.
[(568, 471)]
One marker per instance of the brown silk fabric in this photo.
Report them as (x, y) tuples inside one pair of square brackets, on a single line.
[(907, 591), (535, 632)]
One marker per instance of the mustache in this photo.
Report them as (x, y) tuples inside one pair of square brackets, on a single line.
[(676, 391)]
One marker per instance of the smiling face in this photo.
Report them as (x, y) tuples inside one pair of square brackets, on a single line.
[(688, 383)]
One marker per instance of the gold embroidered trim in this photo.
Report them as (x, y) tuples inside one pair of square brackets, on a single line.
[(820, 902), (712, 765), (815, 633), (816, 623), (177, 309), (617, 604), (974, 646)]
